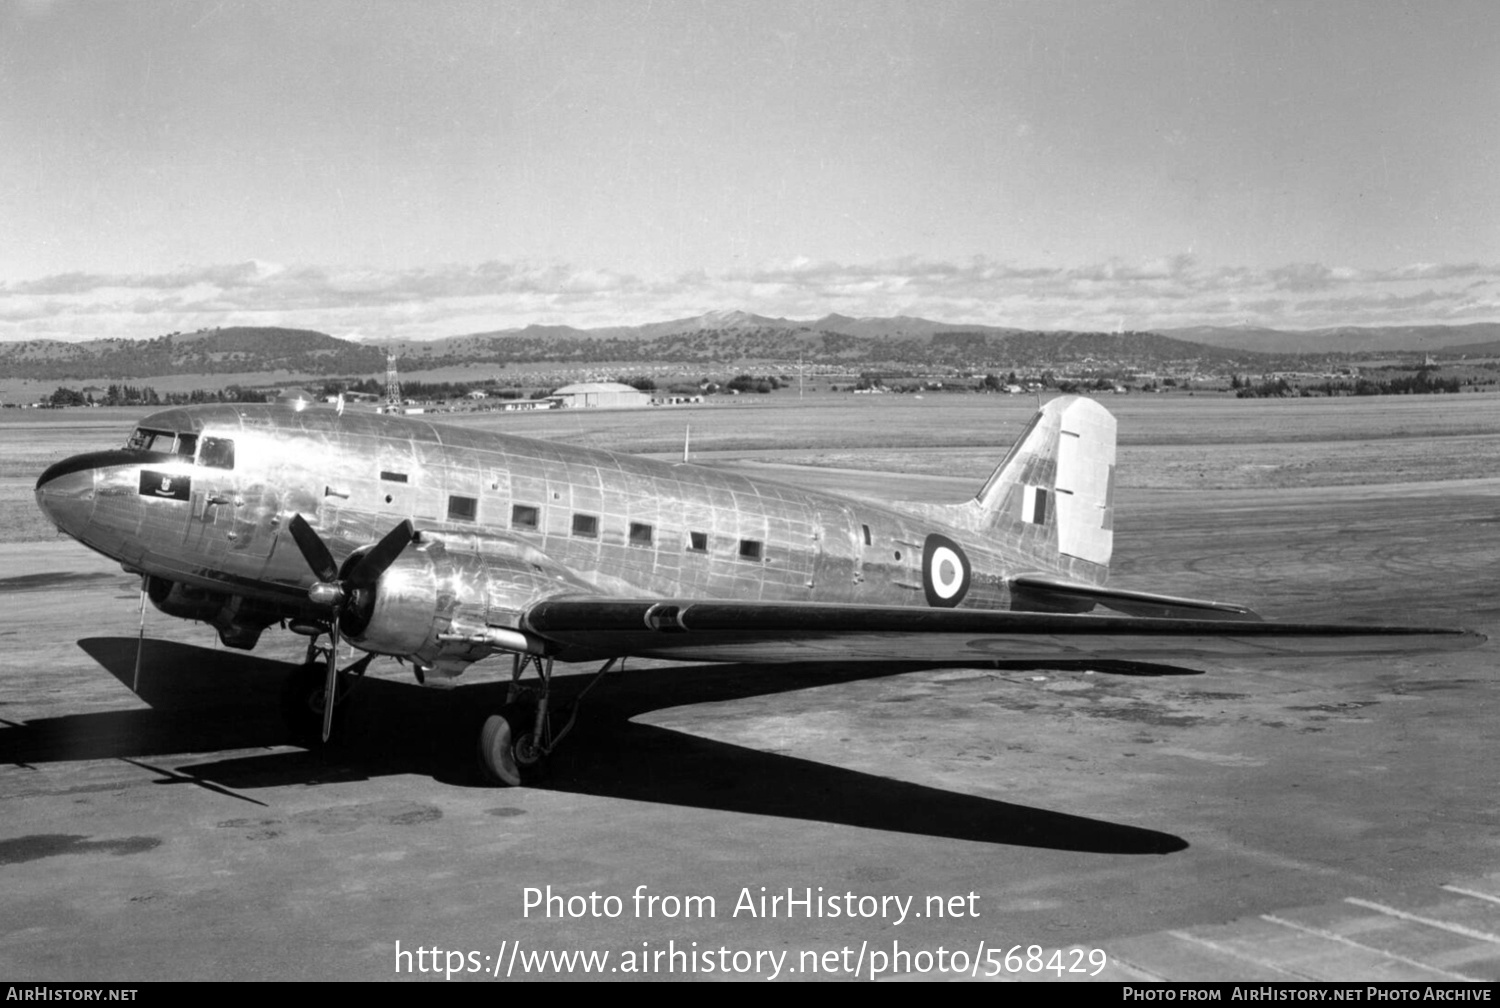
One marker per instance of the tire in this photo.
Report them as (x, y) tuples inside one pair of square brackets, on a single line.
[(497, 750)]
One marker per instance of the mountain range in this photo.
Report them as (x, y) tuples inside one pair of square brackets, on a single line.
[(727, 338)]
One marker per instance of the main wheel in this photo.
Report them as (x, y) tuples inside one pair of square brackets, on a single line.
[(496, 751), (507, 747)]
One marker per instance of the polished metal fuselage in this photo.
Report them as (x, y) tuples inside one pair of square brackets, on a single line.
[(627, 526), (524, 546)]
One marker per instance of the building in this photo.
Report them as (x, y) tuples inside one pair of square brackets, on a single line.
[(600, 394), (297, 398)]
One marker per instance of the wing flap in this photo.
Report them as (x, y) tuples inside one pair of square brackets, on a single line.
[(1045, 593), (588, 628)]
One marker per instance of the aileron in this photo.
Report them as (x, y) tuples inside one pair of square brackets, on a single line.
[(1044, 593)]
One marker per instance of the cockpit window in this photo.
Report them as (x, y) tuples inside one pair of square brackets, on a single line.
[(152, 440), (216, 453), (146, 439)]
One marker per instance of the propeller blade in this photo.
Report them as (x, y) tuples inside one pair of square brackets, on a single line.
[(314, 551), (374, 563), (331, 682)]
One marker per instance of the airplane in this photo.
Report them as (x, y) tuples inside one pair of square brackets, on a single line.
[(442, 546)]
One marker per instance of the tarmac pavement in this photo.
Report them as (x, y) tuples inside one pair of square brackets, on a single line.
[(1331, 819)]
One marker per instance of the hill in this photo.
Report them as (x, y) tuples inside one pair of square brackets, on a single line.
[(686, 341), (236, 350), (1340, 339), (725, 339)]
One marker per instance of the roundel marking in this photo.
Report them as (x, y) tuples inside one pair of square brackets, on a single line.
[(945, 572)]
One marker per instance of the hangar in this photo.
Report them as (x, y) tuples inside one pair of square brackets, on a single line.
[(600, 394)]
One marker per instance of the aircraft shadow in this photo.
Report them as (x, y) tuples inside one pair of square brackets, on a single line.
[(207, 700), (1123, 668)]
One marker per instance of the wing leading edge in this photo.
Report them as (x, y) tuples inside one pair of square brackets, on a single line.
[(590, 628)]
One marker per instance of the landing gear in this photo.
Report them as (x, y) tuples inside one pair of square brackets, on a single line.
[(514, 741), (498, 749), (306, 693)]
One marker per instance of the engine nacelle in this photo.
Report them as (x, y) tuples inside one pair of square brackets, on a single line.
[(184, 601), (238, 620), (451, 596)]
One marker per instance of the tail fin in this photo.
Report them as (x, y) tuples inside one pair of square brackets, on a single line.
[(1054, 492)]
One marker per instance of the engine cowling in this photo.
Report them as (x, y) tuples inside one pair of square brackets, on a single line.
[(448, 595)]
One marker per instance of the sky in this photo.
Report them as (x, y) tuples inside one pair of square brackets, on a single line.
[(424, 169)]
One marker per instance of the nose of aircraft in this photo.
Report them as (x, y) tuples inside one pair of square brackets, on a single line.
[(65, 493)]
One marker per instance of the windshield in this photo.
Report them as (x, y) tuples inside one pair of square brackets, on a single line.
[(146, 439)]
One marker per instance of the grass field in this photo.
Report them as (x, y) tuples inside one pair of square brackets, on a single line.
[(529, 376), (1166, 442)]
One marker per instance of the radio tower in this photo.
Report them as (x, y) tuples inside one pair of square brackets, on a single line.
[(392, 384)]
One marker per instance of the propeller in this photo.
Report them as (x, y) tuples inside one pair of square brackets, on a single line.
[(354, 590)]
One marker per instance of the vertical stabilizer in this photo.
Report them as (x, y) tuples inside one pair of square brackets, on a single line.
[(1055, 489)]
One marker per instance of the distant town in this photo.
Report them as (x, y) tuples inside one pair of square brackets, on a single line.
[(692, 361), (630, 391)]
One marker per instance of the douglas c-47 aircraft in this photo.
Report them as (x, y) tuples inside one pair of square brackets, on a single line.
[(442, 546)]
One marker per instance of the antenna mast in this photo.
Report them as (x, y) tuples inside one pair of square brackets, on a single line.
[(392, 383)]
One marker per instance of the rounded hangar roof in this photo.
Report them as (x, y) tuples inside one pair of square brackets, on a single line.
[(584, 387)]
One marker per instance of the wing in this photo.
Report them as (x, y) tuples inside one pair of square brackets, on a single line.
[(591, 628), (454, 597), (1046, 593)]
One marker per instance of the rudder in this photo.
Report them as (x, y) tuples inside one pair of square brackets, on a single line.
[(1055, 488)]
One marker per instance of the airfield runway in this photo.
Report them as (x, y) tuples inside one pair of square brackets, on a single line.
[(1320, 819)]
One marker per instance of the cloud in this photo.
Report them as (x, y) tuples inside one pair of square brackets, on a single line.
[(455, 298)]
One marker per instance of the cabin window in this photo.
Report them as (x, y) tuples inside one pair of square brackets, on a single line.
[(393, 477), (586, 526), (524, 516), (641, 534), (867, 534), (750, 549), (216, 453), (462, 508), (187, 444), (698, 542)]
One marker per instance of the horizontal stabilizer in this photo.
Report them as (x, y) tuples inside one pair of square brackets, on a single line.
[(1044, 593), (583, 629)]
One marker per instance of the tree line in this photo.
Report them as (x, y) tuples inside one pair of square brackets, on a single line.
[(1424, 382), (145, 395)]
